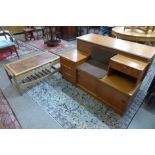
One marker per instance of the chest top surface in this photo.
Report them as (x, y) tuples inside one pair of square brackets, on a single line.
[(143, 51)]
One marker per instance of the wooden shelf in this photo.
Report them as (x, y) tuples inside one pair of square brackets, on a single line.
[(130, 62), (120, 83), (34, 78), (75, 55), (129, 66)]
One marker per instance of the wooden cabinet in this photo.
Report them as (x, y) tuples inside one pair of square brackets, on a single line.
[(68, 70), (69, 61), (125, 73), (69, 32), (135, 69), (124, 77), (131, 49), (111, 96)]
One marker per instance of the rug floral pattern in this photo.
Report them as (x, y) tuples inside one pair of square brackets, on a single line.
[(7, 117), (74, 108), (62, 47)]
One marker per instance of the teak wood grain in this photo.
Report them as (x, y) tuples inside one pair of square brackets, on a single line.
[(28, 64), (26, 72), (132, 67), (75, 55), (120, 83), (130, 62), (86, 42), (133, 34), (125, 73), (69, 61)]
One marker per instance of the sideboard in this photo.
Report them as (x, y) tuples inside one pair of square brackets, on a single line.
[(109, 69)]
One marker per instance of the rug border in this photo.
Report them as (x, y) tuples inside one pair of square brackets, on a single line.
[(11, 111)]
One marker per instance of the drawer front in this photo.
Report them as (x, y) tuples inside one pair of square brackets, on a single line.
[(113, 98), (69, 77), (69, 70), (66, 62), (87, 81), (125, 69)]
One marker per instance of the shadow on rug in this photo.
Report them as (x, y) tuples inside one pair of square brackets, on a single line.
[(7, 117), (74, 108)]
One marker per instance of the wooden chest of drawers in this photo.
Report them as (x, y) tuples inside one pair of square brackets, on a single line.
[(69, 61), (68, 70)]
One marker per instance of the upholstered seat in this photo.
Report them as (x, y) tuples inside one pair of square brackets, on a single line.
[(94, 68), (97, 66)]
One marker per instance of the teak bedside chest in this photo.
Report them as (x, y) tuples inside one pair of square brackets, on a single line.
[(69, 62)]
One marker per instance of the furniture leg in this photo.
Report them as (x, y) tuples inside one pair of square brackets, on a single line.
[(9, 76), (18, 87), (16, 52), (17, 43)]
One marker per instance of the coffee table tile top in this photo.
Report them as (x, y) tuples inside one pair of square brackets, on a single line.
[(28, 64), (6, 43)]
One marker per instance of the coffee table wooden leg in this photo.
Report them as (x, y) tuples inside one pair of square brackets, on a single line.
[(18, 87), (9, 76), (16, 52)]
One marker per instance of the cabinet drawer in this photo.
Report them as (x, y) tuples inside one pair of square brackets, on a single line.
[(69, 77), (125, 69), (112, 97), (69, 70), (87, 81), (66, 62)]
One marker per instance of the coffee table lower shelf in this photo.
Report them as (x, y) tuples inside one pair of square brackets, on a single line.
[(25, 84), (23, 81)]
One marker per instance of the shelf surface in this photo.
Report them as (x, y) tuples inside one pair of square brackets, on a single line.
[(75, 55), (120, 83)]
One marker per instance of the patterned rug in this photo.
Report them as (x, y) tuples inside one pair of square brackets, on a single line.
[(74, 108), (62, 47), (23, 50), (7, 117)]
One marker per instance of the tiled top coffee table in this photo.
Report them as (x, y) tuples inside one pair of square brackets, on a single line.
[(24, 73)]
